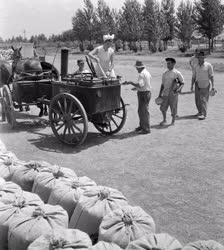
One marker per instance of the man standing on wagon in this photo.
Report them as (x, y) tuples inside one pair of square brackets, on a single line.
[(203, 77), (103, 55)]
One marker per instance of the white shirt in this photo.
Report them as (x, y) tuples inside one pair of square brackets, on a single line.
[(144, 80), (202, 74), (167, 80), (81, 72), (105, 60), (193, 62)]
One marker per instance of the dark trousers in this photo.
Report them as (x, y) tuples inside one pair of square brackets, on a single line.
[(201, 99), (143, 109)]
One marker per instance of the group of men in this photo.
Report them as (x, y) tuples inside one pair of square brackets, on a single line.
[(172, 83)]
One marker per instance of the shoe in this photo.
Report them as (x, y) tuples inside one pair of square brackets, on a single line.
[(198, 114), (144, 132), (201, 117), (138, 129), (163, 123), (172, 123)]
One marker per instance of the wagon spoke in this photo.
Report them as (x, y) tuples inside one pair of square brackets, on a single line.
[(59, 105), (110, 127), (60, 126), (75, 113), (118, 116), (114, 122), (65, 129), (70, 108), (75, 126), (65, 104), (74, 134)]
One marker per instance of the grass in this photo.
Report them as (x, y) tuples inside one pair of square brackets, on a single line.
[(175, 174)]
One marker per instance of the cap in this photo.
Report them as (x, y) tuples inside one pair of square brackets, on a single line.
[(170, 59), (139, 64)]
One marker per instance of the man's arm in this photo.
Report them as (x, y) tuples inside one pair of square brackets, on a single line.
[(193, 79), (111, 61), (92, 55), (211, 75)]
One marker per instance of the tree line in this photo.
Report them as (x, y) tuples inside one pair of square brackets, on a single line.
[(153, 21)]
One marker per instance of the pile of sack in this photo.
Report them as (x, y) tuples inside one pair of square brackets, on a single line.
[(46, 207), (6, 54)]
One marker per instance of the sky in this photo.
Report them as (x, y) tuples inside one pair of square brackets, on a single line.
[(42, 16)]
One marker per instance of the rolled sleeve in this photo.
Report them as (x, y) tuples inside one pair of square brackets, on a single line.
[(210, 71)]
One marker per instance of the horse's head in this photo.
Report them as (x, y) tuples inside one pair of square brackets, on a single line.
[(16, 56)]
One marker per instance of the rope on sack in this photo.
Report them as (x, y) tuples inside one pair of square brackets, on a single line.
[(39, 212), (57, 174), (34, 165), (103, 194), (19, 202), (75, 184), (57, 243)]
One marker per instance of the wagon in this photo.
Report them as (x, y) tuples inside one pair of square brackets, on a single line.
[(73, 102)]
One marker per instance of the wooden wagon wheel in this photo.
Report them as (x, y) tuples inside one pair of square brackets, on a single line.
[(68, 119), (115, 120), (8, 107)]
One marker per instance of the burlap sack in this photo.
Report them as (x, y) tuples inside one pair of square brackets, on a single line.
[(102, 245), (155, 241), (25, 175), (8, 190), (45, 181), (66, 193), (24, 204), (8, 163), (61, 238), (126, 224), (204, 245), (25, 229), (93, 205)]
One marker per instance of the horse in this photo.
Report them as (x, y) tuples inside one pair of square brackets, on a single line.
[(25, 67)]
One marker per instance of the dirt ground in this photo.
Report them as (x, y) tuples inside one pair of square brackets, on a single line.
[(175, 173)]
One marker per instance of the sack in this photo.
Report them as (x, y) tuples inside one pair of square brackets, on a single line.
[(61, 238), (25, 229), (8, 162), (45, 181), (25, 175), (66, 193), (8, 190), (102, 245), (125, 225), (93, 205), (204, 245), (155, 241), (25, 203)]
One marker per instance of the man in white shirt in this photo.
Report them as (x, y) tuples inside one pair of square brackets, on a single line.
[(203, 78), (172, 83), (143, 87)]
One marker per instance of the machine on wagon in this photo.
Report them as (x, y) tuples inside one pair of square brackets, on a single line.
[(76, 100)]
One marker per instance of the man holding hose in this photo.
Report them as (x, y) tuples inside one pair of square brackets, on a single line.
[(103, 55)]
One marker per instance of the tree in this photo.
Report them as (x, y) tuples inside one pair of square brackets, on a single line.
[(84, 23), (106, 19), (167, 16), (150, 23), (184, 23), (131, 25), (209, 19)]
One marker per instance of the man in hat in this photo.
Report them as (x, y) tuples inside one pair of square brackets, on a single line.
[(172, 83), (81, 65), (143, 87), (203, 77), (104, 57)]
